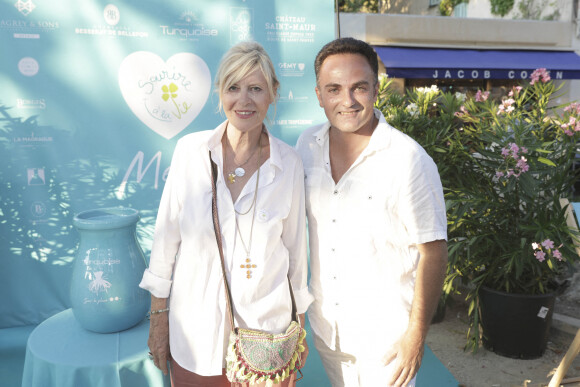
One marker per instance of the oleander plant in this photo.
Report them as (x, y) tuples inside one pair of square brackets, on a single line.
[(504, 165)]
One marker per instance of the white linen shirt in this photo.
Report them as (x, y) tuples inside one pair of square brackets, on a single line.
[(363, 234), (185, 263)]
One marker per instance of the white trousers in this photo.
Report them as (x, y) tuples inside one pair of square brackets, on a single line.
[(345, 370)]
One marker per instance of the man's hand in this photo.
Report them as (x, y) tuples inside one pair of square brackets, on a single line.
[(406, 354), (408, 351)]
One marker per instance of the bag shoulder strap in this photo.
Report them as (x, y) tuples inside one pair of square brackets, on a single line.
[(218, 236)]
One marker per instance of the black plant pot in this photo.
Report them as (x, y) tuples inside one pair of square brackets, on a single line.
[(515, 325)]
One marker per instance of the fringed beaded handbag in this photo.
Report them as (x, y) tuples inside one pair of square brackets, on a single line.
[(254, 356)]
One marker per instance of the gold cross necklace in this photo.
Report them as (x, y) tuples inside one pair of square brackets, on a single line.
[(249, 265)]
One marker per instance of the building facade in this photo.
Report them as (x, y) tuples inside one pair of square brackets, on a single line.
[(475, 51)]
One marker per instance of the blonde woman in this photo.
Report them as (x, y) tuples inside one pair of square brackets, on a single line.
[(260, 198)]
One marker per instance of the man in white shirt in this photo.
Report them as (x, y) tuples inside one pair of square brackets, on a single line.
[(377, 225)]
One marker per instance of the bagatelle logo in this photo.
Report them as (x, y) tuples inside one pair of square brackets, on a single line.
[(188, 27), (165, 95), (291, 69)]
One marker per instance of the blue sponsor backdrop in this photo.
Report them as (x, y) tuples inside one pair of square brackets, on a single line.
[(94, 96)]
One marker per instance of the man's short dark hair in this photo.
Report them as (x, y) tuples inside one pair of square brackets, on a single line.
[(347, 46)]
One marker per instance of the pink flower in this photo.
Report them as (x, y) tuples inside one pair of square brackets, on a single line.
[(524, 150), (506, 105), (574, 107), (569, 132), (481, 97), (505, 152), (546, 77), (557, 254), (540, 255), (499, 174), (462, 112), (548, 244), (522, 165), (514, 148), (538, 74)]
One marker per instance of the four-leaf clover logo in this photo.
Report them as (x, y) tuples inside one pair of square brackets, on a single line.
[(169, 91)]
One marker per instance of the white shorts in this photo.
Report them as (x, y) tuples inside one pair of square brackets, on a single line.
[(344, 370)]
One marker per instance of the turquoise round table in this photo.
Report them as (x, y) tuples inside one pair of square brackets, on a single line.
[(60, 353)]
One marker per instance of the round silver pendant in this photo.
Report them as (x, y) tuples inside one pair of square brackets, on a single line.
[(239, 171)]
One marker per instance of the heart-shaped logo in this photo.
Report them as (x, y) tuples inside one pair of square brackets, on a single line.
[(165, 96)]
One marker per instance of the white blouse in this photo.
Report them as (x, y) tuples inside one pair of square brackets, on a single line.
[(185, 264)]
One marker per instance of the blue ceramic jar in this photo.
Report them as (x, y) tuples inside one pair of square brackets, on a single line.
[(108, 267)]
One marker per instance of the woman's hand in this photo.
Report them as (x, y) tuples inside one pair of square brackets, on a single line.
[(304, 354), (159, 335)]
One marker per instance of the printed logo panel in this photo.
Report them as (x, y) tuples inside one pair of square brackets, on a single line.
[(165, 95)]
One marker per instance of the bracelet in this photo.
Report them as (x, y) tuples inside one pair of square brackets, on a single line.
[(158, 311)]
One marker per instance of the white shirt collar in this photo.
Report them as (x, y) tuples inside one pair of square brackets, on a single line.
[(215, 142), (379, 139)]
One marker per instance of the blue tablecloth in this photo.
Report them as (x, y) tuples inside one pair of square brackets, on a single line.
[(60, 353)]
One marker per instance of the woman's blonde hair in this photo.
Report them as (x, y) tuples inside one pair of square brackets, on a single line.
[(241, 60)]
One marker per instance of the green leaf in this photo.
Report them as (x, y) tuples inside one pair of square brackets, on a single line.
[(546, 161)]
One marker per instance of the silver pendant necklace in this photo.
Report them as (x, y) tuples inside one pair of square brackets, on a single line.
[(239, 171)]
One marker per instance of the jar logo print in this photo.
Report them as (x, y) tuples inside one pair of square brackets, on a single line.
[(99, 283), (166, 96)]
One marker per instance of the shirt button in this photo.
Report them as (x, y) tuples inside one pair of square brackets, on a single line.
[(335, 192), (333, 220)]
